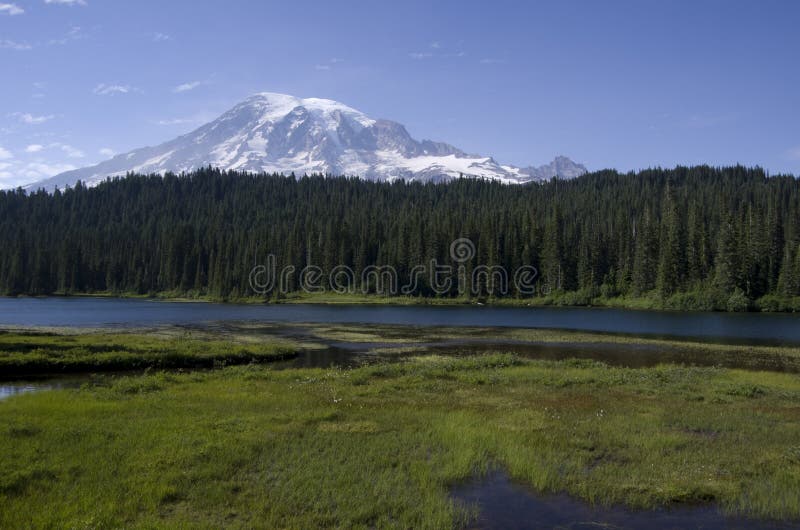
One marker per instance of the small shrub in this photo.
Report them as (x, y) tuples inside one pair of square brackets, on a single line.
[(738, 302), (23, 431), (700, 298), (776, 303), (584, 364), (137, 385), (748, 391)]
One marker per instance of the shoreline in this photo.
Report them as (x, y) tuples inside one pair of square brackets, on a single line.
[(179, 347), (642, 304)]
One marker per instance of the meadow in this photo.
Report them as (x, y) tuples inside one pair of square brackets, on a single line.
[(381, 445)]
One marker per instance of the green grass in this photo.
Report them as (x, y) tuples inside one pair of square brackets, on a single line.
[(379, 446), (37, 352), (693, 300)]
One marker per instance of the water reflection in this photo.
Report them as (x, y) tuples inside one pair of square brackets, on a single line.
[(8, 390), (502, 504)]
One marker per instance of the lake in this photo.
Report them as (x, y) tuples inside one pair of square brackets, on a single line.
[(768, 328)]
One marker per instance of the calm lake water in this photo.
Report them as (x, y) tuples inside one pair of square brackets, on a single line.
[(744, 327)]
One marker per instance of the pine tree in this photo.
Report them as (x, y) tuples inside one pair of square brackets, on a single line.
[(552, 266), (725, 263), (646, 256), (672, 260)]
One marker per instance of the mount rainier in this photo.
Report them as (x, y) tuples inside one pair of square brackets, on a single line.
[(277, 133)]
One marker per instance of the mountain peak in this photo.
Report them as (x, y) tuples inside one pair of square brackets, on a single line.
[(279, 133), (275, 106)]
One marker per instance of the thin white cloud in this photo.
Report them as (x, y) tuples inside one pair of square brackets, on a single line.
[(706, 121), (30, 119), (793, 153), (104, 89), (68, 150), (66, 2), (107, 152), (11, 9), (186, 87), (40, 169), (328, 65), (177, 121), (195, 119), (43, 163), (437, 53), (5, 179), (489, 60), (161, 37), (14, 45), (74, 33)]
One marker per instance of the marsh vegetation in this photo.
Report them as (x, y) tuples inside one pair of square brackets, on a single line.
[(382, 444), (35, 352)]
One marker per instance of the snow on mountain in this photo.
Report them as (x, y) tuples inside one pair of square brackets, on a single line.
[(278, 133)]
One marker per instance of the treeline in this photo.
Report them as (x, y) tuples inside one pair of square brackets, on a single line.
[(690, 237)]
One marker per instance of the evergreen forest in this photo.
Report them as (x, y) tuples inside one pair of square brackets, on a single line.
[(684, 238)]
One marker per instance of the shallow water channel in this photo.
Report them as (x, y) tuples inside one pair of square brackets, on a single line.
[(502, 504)]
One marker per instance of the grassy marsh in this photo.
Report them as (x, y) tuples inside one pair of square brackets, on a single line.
[(691, 301), (395, 339), (33, 352), (380, 445)]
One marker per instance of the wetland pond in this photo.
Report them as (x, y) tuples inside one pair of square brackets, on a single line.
[(504, 505)]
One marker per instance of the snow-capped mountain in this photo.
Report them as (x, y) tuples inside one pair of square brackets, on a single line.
[(277, 133)]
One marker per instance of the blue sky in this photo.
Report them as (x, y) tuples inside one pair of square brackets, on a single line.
[(611, 84)]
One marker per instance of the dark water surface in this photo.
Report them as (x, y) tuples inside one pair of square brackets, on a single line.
[(87, 312), (504, 505), (16, 387)]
